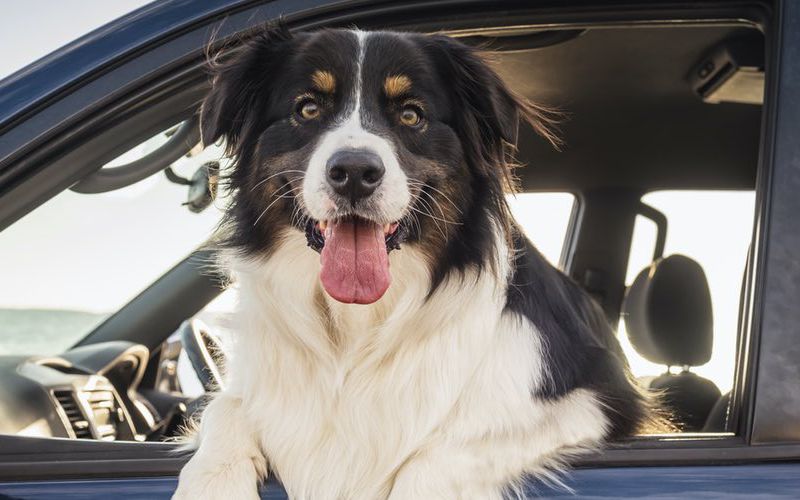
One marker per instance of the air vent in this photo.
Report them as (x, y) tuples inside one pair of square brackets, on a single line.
[(104, 412), (77, 420)]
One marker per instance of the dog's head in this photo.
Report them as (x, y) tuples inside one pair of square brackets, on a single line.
[(365, 141)]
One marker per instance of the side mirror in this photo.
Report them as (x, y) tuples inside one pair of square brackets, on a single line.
[(202, 186)]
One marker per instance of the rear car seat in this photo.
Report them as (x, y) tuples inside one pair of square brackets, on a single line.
[(668, 319)]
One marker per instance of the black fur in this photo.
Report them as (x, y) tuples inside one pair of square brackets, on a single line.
[(579, 345)]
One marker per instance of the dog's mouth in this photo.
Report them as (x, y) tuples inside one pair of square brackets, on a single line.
[(354, 253), (394, 234)]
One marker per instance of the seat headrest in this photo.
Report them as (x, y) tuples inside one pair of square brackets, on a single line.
[(668, 315)]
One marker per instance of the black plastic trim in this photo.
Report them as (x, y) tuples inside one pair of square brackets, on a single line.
[(660, 221), (26, 458), (571, 236), (528, 41), (21, 458)]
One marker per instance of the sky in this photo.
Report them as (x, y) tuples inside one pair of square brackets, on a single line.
[(95, 252), (30, 29)]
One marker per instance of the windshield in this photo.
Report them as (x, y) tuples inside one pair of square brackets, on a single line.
[(78, 258)]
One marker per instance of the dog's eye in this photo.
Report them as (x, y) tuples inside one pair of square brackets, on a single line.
[(410, 116), (308, 109)]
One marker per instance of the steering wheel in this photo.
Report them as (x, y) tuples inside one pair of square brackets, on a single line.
[(204, 351)]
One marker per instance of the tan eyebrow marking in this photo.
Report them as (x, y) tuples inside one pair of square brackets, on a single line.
[(324, 81), (396, 85)]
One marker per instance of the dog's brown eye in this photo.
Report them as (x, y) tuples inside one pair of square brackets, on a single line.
[(309, 109), (410, 116)]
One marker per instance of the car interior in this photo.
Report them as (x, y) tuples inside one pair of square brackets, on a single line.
[(646, 108)]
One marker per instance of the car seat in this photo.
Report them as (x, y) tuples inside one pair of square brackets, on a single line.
[(668, 319)]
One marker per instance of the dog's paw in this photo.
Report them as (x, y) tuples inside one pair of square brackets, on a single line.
[(216, 489), (225, 482)]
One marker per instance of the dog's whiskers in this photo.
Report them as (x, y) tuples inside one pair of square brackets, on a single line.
[(428, 212), (287, 183), (422, 185), (422, 212), (439, 207), (262, 181), (413, 218), (290, 193)]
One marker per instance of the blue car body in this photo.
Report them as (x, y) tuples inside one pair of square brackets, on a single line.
[(766, 482)]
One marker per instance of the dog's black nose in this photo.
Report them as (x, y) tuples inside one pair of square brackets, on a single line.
[(355, 174)]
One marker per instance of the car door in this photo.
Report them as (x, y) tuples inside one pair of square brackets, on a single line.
[(62, 119)]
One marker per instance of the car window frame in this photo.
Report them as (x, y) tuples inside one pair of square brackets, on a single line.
[(159, 75)]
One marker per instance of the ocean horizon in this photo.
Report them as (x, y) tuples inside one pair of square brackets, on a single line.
[(44, 332)]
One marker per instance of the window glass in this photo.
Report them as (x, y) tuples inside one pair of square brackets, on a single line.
[(715, 229), (76, 259), (545, 219)]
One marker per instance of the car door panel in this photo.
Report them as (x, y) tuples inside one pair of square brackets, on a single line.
[(768, 481)]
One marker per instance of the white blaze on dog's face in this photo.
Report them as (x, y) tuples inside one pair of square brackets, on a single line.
[(363, 141), (354, 186), (373, 185)]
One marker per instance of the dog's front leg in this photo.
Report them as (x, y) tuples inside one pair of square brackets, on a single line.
[(446, 473), (482, 470), (229, 462)]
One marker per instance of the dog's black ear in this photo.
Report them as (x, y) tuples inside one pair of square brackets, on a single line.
[(488, 113), (240, 81)]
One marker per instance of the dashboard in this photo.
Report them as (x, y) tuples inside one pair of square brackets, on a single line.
[(89, 392)]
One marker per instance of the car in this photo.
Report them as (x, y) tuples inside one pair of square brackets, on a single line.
[(680, 168)]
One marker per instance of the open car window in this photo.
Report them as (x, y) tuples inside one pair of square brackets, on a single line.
[(78, 258)]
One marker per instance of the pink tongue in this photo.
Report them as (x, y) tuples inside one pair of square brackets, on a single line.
[(355, 265)]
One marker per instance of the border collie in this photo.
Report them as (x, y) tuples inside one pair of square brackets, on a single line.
[(398, 336)]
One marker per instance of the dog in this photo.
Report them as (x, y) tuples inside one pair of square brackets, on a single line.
[(398, 336)]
